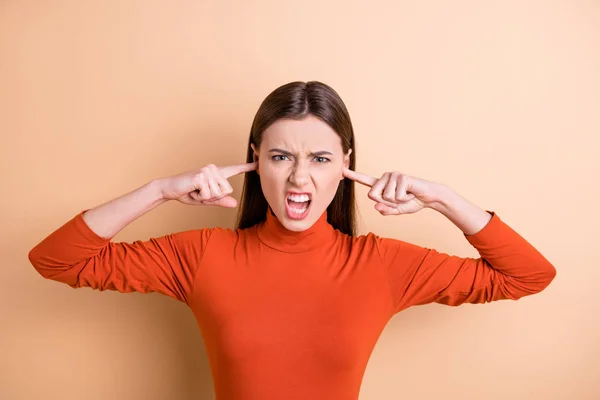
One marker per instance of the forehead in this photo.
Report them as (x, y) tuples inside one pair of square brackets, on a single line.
[(309, 133)]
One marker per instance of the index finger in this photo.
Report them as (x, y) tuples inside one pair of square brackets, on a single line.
[(232, 170), (359, 177)]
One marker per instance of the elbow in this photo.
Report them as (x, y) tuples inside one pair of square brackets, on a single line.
[(542, 277), (548, 274), (43, 264), (538, 279), (36, 260), (50, 268)]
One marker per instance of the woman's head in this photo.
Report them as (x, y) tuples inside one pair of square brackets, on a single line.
[(302, 137)]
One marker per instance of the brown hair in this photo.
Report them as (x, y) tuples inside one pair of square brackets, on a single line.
[(296, 100)]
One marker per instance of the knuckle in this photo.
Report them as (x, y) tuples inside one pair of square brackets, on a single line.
[(199, 182)]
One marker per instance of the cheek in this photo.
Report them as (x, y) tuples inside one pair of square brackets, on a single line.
[(327, 181), (272, 175), (271, 181)]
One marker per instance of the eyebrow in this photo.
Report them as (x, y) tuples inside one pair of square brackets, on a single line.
[(315, 154)]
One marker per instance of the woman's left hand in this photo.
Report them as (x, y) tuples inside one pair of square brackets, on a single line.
[(396, 193)]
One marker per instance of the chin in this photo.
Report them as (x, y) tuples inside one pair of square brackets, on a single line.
[(296, 226)]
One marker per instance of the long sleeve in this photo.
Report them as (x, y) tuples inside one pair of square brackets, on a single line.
[(77, 256), (508, 268)]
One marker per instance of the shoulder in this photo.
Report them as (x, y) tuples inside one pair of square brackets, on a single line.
[(211, 235), (365, 239), (381, 245), (364, 243), (228, 236)]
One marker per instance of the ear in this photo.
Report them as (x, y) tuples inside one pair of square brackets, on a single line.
[(346, 161), (255, 157), (347, 158)]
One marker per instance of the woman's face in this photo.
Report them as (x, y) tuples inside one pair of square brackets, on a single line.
[(300, 164)]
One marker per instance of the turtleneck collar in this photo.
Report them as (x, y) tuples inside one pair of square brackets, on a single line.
[(272, 233)]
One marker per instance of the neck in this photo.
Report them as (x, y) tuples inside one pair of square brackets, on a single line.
[(272, 233)]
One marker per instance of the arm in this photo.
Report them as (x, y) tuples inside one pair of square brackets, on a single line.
[(467, 217), (110, 218), (80, 253), (508, 267)]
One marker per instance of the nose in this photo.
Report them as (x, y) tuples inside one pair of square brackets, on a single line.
[(299, 176)]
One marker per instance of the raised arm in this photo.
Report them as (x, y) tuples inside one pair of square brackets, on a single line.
[(81, 254), (509, 267)]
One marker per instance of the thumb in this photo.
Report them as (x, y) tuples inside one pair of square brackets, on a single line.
[(386, 210), (227, 201)]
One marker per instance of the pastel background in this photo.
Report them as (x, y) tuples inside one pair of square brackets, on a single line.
[(500, 100)]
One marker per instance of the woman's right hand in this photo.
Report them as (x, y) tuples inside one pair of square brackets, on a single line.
[(206, 186)]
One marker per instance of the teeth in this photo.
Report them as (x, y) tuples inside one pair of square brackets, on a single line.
[(299, 198)]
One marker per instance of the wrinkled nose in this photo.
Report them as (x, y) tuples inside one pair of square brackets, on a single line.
[(299, 176)]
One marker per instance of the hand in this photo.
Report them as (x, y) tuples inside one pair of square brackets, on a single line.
[(396, 193), (206, 186)]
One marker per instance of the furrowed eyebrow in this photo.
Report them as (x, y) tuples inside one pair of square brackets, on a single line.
[(287, 153)]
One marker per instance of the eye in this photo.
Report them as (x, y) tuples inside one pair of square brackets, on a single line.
[(322, 159), (275, 158)]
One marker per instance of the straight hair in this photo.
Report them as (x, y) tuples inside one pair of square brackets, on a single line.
[(296, 100)]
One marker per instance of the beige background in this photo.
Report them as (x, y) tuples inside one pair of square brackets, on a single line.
[(498, 99)]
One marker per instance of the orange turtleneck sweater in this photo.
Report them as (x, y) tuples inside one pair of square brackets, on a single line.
[(293, 315)]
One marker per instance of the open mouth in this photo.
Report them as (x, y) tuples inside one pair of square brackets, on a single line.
[(298, 205)]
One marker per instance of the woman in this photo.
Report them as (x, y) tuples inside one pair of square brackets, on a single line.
[(292, 302)]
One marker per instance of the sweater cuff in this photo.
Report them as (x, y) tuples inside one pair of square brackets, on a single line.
[(488, 233), (86, 232)]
